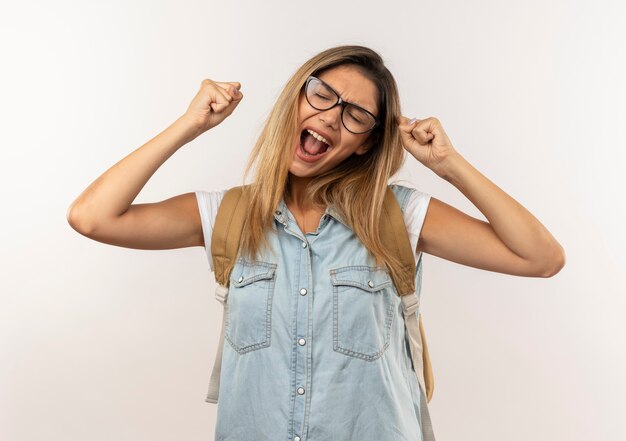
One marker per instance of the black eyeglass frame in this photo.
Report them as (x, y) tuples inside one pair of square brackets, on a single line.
[(340, 102)]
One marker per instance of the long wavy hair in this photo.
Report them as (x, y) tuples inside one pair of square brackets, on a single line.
[(356, 186)]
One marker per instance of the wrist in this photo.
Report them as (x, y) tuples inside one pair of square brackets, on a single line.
[(190, 128), (451, 167)]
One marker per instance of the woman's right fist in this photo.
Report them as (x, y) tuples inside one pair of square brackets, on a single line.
[(213, 103)]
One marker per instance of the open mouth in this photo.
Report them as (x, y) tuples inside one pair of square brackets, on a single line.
[(311, 146)]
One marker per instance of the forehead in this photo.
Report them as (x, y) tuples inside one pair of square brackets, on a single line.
[(352, 86)]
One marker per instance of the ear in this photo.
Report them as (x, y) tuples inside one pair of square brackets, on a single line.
[(369, 143), (363, 148)]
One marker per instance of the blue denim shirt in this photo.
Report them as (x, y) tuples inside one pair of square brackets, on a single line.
[(315, 344)]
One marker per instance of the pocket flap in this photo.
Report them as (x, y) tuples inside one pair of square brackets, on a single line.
[(365, 277), (248, 272)]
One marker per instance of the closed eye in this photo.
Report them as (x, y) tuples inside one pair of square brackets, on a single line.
[(323, 97)]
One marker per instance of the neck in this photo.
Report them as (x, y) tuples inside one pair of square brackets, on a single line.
[(296, 192)]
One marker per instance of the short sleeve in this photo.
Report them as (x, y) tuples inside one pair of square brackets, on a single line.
[(414, 215), (208, 203)]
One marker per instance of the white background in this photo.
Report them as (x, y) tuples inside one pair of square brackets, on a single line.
[(106, 343)]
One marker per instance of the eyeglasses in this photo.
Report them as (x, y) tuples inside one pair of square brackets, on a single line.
[(322, 97)]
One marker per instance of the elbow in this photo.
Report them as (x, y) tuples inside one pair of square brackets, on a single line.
[(76, 221), (557, 262)]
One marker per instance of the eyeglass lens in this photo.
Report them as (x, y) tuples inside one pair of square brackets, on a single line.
[(354, 118)]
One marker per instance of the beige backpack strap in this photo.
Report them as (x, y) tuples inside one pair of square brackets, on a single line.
[(231, 216), (227, 229), (395, 236)]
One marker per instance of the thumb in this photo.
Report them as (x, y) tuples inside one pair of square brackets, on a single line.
[(234, 89), (406, 124), (233, 104)]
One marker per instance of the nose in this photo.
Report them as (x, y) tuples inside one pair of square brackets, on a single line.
[(332, 116)]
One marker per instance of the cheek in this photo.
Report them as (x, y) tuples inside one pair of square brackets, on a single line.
[(305, 112)]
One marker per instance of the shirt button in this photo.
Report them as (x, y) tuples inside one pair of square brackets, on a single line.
[(301, 390), (296, 438), (303, 291), (370, 283), (302, 342), (303, 244), (240, 279), (278, 212)]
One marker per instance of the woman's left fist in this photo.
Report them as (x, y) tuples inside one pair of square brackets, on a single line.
[(426, 140)]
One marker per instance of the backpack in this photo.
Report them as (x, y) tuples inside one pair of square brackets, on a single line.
[(225, 240)]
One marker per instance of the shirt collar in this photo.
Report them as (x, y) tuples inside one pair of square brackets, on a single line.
[(282, 213)]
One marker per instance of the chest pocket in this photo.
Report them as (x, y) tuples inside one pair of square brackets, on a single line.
[(249, 314), (363, 310)]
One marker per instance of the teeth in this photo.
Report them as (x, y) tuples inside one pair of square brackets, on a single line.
[(318, 136)]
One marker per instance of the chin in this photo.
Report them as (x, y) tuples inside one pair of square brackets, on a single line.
[(295, 171)]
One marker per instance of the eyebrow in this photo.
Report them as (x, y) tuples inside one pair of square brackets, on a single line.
[(349, 102)]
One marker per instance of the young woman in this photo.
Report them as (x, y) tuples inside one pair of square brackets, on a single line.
[(316, 340)]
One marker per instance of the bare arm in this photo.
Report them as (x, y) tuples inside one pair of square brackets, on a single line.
[(513, 241), (455, 236), (109, 197), (103, 211)]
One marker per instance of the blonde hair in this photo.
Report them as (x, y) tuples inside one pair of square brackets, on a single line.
[(356, 187)]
